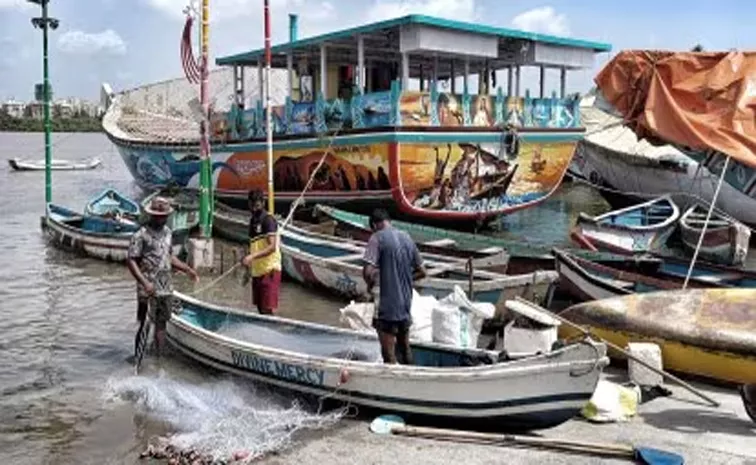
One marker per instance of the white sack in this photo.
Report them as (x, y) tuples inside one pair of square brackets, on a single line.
[(359, 316), (457, 321)]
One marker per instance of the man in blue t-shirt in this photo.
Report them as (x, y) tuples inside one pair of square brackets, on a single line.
[(392, 258)]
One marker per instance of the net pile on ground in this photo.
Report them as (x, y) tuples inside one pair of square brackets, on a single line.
[(217, 421)]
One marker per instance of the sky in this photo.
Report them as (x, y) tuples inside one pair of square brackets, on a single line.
[(131, 42)]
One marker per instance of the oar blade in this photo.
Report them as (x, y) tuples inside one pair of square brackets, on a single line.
[(384, 424), (650, 456)]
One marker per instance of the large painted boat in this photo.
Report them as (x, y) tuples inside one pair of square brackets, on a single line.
[(396, 126)]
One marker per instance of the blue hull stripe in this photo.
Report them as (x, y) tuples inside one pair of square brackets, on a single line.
[(569, 397)]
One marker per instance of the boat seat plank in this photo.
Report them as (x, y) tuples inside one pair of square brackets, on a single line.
[(703, 221), (719, 278), (346, 258), (627, 285), (491, 250), (446, 242)]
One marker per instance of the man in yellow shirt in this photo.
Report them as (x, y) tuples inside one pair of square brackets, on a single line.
[(264, 259)]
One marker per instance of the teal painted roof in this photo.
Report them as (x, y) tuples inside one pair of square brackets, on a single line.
[(421, 20)]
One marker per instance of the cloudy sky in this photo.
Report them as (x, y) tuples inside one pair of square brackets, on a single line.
[(129, 42)]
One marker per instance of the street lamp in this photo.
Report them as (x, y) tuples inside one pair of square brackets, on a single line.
[(44, 22)]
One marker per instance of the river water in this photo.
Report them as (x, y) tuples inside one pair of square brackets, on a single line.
[(67, 390)]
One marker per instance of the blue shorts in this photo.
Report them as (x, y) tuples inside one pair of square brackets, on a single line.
[(394, 328)]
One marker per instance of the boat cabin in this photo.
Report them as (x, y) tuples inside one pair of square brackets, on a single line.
[(410, 71)]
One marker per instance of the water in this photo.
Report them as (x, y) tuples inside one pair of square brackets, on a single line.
[(67, 394)]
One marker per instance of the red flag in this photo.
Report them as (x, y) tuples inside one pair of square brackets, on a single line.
[(188, 62)]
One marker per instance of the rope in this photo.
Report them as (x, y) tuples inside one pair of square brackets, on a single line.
[(215, 281), (706, 223)]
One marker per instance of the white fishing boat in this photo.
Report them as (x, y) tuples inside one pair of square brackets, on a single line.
[(19, 164), (445, 384), (725, 241), (640, 228)]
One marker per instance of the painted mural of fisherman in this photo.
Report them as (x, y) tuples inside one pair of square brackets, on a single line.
[(479, 171)]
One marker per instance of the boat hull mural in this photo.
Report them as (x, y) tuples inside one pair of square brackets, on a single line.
[(474, 181), (444, 175)]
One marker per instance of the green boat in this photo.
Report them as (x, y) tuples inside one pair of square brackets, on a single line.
[(524, 257)]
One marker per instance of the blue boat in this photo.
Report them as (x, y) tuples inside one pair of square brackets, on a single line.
[(93, 236), (112, 204)]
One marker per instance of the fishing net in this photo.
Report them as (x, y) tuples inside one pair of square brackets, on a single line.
[(170, 111), (220, 419)]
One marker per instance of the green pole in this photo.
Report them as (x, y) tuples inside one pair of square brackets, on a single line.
[(45, 23), (48, 125), (205, 170)]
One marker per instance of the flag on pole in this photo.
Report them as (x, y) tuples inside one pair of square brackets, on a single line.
[(188, 62)]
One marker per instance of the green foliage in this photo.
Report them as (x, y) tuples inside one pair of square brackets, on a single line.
[(78, 123)]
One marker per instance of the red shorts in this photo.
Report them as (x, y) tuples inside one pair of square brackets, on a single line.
[(265, 291)]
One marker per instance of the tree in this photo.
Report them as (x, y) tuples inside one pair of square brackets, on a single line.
[(697, 48)]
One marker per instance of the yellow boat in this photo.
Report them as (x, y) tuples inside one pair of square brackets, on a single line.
[(704, 332)]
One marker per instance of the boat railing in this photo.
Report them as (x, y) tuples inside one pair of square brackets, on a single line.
[(395, 108)]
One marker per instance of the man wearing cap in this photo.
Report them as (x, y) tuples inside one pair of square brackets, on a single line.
[(391, 258), (264, 258), (150, 261)]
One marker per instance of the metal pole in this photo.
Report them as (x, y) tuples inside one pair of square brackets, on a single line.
[(706, 223), (44, 23), (268, 116), (48, 124), (205, 176)]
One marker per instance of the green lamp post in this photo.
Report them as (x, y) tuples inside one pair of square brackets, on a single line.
[(45, 22)]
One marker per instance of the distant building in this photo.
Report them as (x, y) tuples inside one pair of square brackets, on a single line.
[(35, 110), (14, 109), (64, 109)]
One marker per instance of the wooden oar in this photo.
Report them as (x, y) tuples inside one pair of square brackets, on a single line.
[(391, 424), (627, 354)]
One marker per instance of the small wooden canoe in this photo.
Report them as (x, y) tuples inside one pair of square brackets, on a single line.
[(703, 332), (586, 280), (92, 236), (469, 388), (524, 256), (112, 204), (638, 229), (726, 239), (19, 164), (336, 265)]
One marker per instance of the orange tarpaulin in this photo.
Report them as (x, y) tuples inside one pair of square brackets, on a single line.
[(699, 100)]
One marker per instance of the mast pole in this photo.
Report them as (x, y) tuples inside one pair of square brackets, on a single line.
[(268, 116), (205, 172)]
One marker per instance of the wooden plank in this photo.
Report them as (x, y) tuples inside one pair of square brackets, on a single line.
[(446, 242)]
